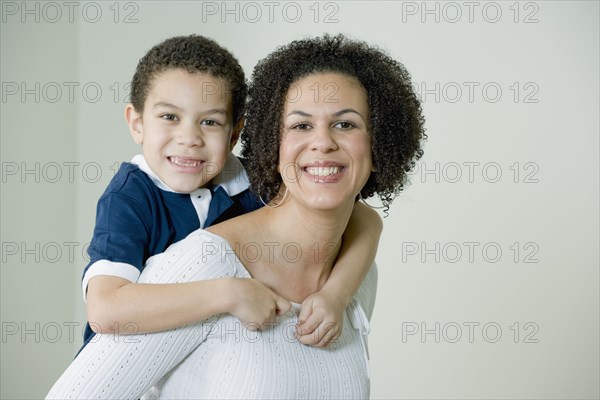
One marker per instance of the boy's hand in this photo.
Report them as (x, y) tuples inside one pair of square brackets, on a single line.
[(255, 304), (320, 320)]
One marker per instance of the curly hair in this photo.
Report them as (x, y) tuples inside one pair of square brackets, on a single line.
[(193, 53), (396, 123)]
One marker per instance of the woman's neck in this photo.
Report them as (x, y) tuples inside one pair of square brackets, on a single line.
[(290, 249), (309, 242), (293, 224)]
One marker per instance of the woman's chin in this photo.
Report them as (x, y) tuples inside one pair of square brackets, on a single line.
[(328, 203)]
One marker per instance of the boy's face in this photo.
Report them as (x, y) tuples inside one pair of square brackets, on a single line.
[(185, 129)]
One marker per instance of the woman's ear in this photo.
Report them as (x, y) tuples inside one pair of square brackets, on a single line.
[(134, 121)]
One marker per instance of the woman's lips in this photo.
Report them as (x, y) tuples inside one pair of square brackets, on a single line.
[(324, 173)]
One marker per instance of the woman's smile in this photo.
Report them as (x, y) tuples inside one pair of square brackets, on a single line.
[(326, 140)]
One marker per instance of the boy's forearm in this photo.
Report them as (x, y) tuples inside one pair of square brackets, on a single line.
[(142, 308), (357, 255)]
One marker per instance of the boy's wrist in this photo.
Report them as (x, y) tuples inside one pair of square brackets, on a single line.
[(337, 293), (229, 289)]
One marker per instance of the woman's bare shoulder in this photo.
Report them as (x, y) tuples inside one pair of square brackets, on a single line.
[(238, 229)]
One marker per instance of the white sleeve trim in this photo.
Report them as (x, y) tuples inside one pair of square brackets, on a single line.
[(105, 267)]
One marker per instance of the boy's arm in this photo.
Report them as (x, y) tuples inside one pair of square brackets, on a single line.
[(115, 305), (126, 367), (321, 315)]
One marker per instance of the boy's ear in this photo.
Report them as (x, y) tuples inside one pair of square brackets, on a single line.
[(134, 121), (235, 134)]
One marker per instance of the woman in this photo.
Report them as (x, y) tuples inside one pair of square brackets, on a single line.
[(329, 121)]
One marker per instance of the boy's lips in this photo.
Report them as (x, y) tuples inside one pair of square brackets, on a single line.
[(186, 164)]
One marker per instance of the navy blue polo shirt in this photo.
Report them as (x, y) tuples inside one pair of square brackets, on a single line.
[(138, 217)]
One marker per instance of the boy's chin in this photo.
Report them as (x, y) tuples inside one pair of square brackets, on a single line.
[(186, 187)]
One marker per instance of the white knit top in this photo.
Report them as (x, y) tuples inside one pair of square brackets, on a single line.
[(219, 357)]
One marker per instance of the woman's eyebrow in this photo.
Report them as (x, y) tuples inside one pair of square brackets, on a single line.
[(345, 111), (298, 112), (336, 114)]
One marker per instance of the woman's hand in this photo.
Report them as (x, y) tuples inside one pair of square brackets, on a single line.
[(320, 320), (255, 304)]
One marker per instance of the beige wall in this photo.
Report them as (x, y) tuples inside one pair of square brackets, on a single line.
[(38, 275), (514, 171)]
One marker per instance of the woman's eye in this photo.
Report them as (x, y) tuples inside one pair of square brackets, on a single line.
[(168, 117), (301, 127), (344, 125)]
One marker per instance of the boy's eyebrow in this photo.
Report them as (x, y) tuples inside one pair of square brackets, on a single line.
[(336, 114), (169, 105), (165, 104), (216, 111)]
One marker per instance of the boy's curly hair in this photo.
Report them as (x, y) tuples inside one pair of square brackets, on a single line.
[(396, 123), (193, 53)]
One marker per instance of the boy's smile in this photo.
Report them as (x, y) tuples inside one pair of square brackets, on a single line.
[(185, 128)]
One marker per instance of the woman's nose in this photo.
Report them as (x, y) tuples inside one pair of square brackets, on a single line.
[(323, 140)]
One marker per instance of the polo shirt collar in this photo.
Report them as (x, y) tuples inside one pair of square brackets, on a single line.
[(140, 161), (232, 178)]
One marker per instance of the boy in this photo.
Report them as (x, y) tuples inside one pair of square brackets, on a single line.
[(187, 103)]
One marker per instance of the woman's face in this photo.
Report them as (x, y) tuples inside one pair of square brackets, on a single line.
[(325, 151)]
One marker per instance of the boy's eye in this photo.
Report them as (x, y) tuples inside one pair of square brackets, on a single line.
[(210, 122), (168, 117)]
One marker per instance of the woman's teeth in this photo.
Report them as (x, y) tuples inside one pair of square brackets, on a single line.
[(323, 171)]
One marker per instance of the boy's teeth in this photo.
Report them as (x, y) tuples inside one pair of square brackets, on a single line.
[(323, 171), (185, 163)]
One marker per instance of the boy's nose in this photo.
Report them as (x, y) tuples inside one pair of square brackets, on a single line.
[(189, 136)]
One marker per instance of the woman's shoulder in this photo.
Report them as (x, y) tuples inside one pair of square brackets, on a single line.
[(199, 256), (238, 229)]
